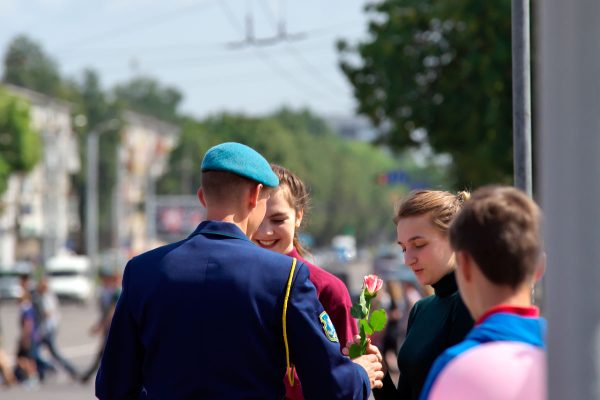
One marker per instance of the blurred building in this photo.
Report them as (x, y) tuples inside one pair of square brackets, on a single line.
[(143, 156), (40, 207)]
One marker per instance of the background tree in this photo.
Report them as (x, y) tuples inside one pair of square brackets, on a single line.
[(148, 96), (19, 143), (27, 65), (439, 72)]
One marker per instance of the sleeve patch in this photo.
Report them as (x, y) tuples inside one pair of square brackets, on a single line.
[(328, 327)]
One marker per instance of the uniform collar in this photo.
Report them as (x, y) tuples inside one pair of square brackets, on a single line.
[(220, 228)]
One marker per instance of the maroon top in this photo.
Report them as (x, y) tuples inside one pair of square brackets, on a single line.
[(334, 297)]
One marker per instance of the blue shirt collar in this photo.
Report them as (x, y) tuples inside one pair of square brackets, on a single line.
[(220, 228)]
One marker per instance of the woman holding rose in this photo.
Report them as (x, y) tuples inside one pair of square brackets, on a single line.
[(438, 321), (279, 232)]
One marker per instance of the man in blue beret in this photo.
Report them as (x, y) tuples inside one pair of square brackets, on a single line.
[(215, 316)]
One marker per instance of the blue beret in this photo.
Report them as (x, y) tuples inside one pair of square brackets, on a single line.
[(241, 160)]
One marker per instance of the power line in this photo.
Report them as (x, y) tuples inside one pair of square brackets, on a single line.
[(310, 69), (272, 64), (191, 62), (311, 35), (230, 16), (149, 22)]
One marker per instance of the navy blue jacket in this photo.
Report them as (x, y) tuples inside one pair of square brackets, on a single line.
[(202, 319)]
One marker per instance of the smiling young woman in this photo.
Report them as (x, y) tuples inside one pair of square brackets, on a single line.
[(279, 232), (438, 321)]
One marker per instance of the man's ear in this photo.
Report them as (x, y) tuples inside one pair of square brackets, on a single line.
[(201, 196), (254, 194), (540, 268), (465, 265)]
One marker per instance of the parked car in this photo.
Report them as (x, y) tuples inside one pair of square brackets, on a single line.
[(69, 277), (10, 285)]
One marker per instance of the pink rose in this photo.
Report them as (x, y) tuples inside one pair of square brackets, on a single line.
[(373, 284)]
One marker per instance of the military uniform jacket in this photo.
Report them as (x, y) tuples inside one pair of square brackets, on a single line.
[(202, 319)]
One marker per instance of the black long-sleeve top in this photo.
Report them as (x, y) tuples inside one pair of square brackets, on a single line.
[(435, 323)]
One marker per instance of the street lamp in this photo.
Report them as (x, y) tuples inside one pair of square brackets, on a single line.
[(91, 209)]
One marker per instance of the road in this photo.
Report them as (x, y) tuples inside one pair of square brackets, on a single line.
[(75, 344)]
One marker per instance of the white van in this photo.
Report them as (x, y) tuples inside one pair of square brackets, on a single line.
[(69, 276)]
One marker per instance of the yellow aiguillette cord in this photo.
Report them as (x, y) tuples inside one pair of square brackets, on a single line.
[(285, 339)]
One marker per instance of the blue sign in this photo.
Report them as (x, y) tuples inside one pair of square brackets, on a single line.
[(399, 177)]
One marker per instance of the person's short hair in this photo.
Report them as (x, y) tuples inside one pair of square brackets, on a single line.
[(442, 206), (500, 228), (223, 186)]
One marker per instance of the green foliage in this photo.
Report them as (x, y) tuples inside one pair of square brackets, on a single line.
[(366, 327), (4, 175), (445, 68), (146, 95), (354, 350), (378, 320), (19, 143), (26, 65), (360, 310)]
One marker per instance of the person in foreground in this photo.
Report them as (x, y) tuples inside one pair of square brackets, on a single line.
[(204, 317), (438, 321), (279, 232), (498, 247)]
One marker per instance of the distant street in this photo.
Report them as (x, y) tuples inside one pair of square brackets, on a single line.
[(75, 344)]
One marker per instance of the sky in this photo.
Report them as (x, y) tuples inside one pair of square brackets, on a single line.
[(198, 47)]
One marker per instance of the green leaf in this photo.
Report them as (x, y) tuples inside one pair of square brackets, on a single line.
[(365, 325), (358, 311), (378, 320), (362, 299), (355, 351)]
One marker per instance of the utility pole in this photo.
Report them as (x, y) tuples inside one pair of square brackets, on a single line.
[(91, 201), (51, 172), (569, 129), (521, 85)]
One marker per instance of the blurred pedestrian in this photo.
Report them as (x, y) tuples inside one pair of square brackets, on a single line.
[(108, 296), (32, 321), (498, 245), (214, 316), (286, 209), (49, 318), (438, 321), (26, 368)]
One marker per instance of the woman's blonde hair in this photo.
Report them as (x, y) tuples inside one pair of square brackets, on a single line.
[(297, 196), (442, 206)]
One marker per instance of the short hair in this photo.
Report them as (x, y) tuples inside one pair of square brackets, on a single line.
[(500, 227), (223, 186), (441, 205)]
